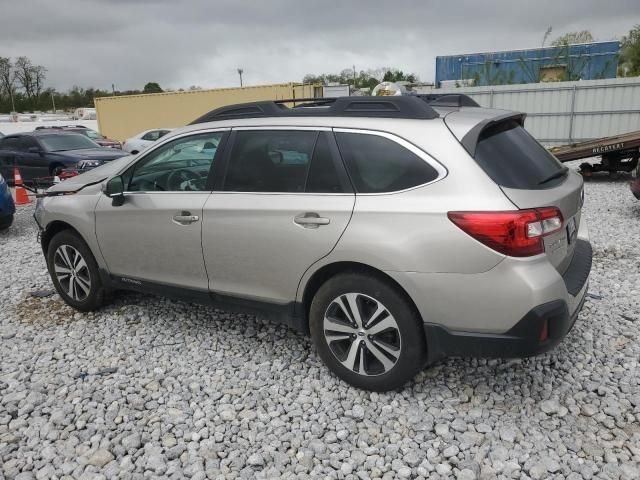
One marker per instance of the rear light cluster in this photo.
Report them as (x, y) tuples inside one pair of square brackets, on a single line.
[(517, 233)]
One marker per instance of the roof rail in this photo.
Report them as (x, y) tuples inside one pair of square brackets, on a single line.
[(60, 127), (409, 107), (449, 100)]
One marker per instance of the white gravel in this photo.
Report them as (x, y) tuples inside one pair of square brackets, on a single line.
[(153, 388)]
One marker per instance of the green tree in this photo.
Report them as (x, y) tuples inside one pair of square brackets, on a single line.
[(366, 79), (583, 36), (629, 62), (395, 75), (152, 87)]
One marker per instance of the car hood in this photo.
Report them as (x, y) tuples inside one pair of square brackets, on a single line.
[(91, 177), (93, 154)]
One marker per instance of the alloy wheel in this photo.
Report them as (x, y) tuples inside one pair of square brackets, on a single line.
[(362, 334), (72, 272)]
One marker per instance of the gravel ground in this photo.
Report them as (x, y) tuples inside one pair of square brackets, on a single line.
[(153, 388)]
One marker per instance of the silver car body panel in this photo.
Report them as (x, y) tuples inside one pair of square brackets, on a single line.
[(140, 240), (254, 249)]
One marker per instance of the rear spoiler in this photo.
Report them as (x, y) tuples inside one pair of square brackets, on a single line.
[(470, 140)]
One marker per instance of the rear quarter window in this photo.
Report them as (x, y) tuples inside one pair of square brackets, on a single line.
[(377, 164), (514, 159)]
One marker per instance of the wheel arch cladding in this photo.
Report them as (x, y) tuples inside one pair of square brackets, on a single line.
[(53, 229), (326, 272)]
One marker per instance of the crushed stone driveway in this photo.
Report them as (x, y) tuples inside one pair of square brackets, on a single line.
[(153, 388)]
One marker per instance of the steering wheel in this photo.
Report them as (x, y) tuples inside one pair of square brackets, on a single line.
[(177, 179)]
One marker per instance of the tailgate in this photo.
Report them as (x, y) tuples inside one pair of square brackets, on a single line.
[(567, 197), (526, 172)]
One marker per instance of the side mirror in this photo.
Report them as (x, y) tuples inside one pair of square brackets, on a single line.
[(34, 150), (115, 190)]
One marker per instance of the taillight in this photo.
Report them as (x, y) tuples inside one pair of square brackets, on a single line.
[(517, 233)]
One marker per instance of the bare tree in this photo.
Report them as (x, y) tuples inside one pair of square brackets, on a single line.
[(7, 79), (30, 77), (39, 75)]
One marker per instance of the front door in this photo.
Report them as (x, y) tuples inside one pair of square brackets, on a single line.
[(155, 236), (31, 159), (283, 206)]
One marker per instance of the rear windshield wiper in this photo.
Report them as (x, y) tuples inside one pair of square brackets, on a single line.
[(560, 173)]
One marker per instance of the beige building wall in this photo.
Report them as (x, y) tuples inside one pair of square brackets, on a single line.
[(125, 116)]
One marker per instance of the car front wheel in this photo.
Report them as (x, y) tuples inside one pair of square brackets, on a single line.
[(74, 271), (367, 332)]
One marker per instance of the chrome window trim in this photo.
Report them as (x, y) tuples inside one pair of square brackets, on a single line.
[(435, 164)]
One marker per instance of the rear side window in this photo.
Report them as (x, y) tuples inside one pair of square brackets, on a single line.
[(377, 164), (10, 143), (514, 159), (282, 161)]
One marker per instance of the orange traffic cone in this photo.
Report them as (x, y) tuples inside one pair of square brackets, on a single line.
[(21, 193)]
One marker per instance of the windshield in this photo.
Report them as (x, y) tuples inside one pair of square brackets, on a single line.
[(93, 135), (67, 141)]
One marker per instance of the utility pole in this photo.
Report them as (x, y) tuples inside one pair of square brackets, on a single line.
[(113, 89), (354, 76), (240, 71), (53, 101)]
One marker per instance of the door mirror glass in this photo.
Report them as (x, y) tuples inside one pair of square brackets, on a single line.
[(115, 190)]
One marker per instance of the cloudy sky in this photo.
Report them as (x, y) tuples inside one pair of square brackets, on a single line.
[(179, 43)]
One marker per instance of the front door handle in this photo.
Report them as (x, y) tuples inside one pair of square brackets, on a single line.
[(185, 218), (311, 220)]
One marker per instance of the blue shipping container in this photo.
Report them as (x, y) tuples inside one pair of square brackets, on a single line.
[(584, 61)]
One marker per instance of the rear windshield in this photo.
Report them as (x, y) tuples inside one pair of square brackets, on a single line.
[(514, 159)]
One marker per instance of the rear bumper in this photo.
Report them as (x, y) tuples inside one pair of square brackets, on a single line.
[(541, 329)]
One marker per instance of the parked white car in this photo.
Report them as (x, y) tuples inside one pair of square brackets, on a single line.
[(142, 140)]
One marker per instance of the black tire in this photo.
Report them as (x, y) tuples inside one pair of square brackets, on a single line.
[(55, 169), (92, 297), (6, 222), (409, 337)]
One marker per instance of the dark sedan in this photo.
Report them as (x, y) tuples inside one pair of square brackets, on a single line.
[(87, 132), (45, 153)]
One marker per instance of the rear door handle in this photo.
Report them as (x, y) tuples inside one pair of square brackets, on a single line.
[(311, 220), (185, 218)]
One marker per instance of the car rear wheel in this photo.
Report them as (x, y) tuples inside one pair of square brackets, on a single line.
[(367, 332), (74, 272)]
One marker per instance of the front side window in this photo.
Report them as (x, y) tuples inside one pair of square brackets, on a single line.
[(178, 166), (377, 164), (26, 143), (270, 161)]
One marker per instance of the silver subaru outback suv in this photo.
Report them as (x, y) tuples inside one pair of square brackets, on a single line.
[(395, 230)]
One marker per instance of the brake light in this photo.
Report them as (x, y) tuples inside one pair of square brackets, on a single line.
[(517, 233)]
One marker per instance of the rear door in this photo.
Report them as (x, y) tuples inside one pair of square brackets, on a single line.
[(531, 177), (8, 150), (283, 205)]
